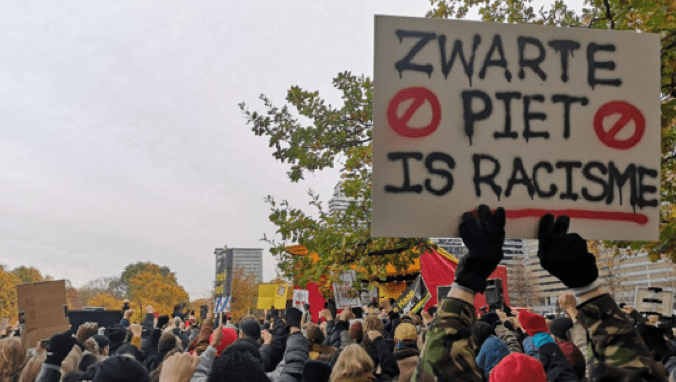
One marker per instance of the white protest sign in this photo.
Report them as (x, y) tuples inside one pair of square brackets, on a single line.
[(531, 118), (343, 290), (300, 297)]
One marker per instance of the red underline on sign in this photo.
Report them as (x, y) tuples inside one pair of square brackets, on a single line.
[(579, 214)]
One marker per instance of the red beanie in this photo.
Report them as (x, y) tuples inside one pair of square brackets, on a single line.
[(518, 367), (229, 336), (532, 323)]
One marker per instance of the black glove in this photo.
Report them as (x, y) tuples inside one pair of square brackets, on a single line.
[(565, 255), (484, 240), (59, 346), (491, 318)]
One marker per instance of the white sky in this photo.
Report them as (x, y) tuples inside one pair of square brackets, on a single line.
[(121, 139)]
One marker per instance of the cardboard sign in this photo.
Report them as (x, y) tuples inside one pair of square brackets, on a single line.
[(271, 295), (654, 300), (343, 291), (300, 297), (531, 118), (43, 307)]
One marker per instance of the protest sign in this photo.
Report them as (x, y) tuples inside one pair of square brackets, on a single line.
[(414, 297), (300, 297), (271, 295), (343, 291), (42, 305), (654, 300), (532, 118), (222, 305)]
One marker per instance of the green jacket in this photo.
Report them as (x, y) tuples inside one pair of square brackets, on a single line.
[(614, 342), (448, 354)]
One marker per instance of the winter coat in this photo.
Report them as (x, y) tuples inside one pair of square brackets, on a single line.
[(295, 356)]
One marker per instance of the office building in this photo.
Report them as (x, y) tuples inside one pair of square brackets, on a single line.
[(248, 259), (339, 202)]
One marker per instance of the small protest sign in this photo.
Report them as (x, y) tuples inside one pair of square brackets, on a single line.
[(654, 300), (271, 295), (535, 119), (300, 297), (343, 291), (222, 305)]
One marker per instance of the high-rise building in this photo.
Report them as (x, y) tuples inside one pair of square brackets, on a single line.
[(512, 248), (339, 202), (248, 259)]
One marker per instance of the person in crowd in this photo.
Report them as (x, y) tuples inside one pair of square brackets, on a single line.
[(406, 352), (617, 349), (12, 358), (559, 329)]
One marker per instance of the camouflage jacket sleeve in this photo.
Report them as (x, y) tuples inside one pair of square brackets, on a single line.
[(448, 354), (613, 339), (509, 338)]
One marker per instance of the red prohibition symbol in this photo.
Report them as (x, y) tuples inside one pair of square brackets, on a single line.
[(400, 124), (628, 113)]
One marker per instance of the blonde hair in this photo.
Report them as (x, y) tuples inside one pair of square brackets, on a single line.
[(353, 363), (12, 357), (32, 368)]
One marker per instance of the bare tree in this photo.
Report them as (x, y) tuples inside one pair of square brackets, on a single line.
[(521, 284)]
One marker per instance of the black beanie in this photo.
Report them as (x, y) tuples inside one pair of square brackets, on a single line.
[(560, 326), (316, 371), (480, 332), (244, 345), (235, 366), (116, 334), (121, 369), (102, 340), (251, 328)]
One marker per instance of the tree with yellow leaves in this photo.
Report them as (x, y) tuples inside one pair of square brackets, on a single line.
[(105, 300), (156, 289), (244, 293), (8, 281)]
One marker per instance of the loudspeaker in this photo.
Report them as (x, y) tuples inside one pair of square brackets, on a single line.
[(494, 292)]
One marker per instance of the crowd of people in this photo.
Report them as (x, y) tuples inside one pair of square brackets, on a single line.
[(595, 340)]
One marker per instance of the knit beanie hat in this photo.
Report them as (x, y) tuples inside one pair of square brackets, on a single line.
[(251, 328), (116, 334), (518, 367), (532, 323), (243, 345), (236, 366), (560, 326), (102, 340), (405, 332), (480, 332), (316, 371), (405, 342), (356, 331), (492, 352), (130, 350), (121, 369), (229, 336)]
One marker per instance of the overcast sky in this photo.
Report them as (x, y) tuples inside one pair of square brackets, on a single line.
[(121, 139), (120, 135)]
